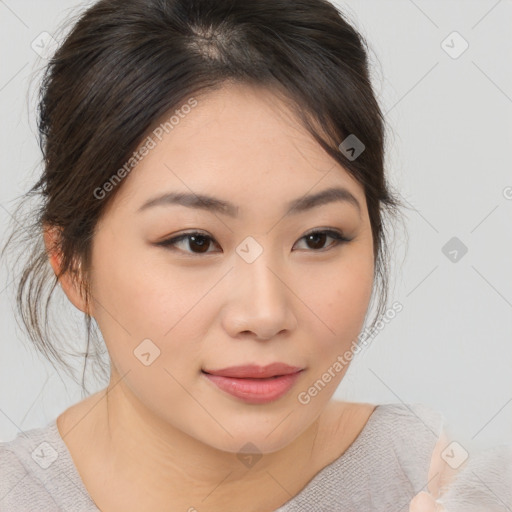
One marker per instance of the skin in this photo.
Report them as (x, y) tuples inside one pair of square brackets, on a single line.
[(440, 476), (167, 428)]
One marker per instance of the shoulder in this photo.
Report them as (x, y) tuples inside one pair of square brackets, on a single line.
[(37, 473), (394, 439), (21, 487), (412, 432), (12, 470), (387, 459), (399, 420), (380, 434), (413, 414)]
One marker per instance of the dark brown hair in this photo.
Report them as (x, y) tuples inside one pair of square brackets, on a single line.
[(125, 63)]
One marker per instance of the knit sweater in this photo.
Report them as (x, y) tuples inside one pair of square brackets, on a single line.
[(381, 471)]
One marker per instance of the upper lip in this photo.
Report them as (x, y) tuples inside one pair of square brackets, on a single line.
[(256, 372)]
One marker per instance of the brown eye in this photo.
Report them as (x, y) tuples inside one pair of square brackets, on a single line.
[(316, 239), (198, 243)]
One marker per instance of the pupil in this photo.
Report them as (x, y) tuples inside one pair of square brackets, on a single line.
[(200, 241), (318, 235)]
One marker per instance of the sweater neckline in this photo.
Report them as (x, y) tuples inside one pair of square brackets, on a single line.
[(74, 475), (332, 468)]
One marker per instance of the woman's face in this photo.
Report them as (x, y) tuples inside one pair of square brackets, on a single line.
[(254, 290)]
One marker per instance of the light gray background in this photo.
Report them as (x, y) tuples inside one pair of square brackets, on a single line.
[(449, 155)]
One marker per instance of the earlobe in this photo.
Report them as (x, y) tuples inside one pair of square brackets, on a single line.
[(71, 287), (51, 238), (69, 284)]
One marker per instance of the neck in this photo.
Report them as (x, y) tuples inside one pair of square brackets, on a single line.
[(148, 464)]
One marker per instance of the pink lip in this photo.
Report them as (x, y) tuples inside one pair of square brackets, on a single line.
[(255, 384)]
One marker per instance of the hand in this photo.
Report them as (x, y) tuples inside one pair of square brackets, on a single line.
[(425, 502), (439, 476), (483, 483)]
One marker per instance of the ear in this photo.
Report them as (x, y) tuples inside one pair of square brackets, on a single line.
[(69, 283)]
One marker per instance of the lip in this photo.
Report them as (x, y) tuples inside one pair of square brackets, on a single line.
[(255, 384), (253, 371)]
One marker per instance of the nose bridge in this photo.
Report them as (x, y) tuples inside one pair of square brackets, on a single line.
[(260, 302), (257, 268)]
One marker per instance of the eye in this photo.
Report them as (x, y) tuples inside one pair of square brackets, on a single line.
[(317, 238), (195, 240), (198, 243)]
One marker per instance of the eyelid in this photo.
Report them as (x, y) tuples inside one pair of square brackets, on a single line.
[(336, 234)]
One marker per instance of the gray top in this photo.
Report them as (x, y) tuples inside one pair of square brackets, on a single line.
[(382, 470)]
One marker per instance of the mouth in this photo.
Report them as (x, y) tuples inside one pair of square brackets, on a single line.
[(252, 371), (255, 384)]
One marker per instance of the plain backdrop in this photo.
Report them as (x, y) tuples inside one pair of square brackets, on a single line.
[(447, 99)]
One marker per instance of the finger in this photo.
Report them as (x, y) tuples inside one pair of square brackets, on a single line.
[(424, 502)]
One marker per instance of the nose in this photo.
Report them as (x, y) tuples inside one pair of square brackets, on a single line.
[(260, 300)]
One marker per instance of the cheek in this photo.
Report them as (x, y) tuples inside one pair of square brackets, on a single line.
[(137, 291), (134, 301), (339, 298), (351, 297)]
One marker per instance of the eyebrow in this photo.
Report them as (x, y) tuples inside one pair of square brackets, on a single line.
[(213, 204)]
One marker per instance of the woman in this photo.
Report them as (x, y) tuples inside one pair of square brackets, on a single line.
[(214, 198)]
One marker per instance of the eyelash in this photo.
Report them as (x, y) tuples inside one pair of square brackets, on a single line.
[(171, 242)]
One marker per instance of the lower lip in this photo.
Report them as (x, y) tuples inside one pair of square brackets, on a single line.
[(255, 391)]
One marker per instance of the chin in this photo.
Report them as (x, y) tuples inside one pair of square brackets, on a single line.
[(254, 438), (250, 444)]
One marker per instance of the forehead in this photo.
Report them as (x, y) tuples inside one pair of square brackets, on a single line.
[(241, 142)]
